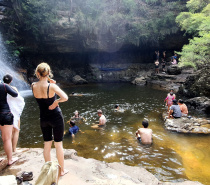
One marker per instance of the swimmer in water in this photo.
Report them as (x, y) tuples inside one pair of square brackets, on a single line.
[(102, 120), (144, 135), (118, 109), (77, 117), (73, 130), (75, 94)]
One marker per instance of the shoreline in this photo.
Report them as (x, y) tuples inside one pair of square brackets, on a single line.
[(84, 171)]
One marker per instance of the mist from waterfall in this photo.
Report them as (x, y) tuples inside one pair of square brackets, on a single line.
[(6, 68)]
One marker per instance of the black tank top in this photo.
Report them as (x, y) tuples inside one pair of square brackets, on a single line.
[(44, 104)]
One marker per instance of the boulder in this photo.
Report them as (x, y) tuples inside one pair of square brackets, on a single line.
[(174, 70), (139, 81), (199, 103), (79, 80), (197, 84), (188, 125), (66, 74)]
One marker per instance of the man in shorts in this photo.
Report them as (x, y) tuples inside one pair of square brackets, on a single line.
[(102, 120), (183, 108), (144, 135), (175, 111)]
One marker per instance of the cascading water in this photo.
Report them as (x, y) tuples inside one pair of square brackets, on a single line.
[(5, 68)]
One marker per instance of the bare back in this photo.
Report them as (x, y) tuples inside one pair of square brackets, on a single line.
[(40, 90), (146, 135)]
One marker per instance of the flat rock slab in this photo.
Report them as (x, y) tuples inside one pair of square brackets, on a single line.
[(85, 171), (186, 125)]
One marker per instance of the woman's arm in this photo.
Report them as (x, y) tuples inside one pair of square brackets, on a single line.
[(11, 91), (63, 96)]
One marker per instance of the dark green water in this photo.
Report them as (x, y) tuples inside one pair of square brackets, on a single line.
[(172, 157)]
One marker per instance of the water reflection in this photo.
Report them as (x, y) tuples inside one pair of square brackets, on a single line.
[(171, 157)]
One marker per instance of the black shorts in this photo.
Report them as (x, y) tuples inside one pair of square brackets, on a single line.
[(156, 67), (6, 119), (53, 128)]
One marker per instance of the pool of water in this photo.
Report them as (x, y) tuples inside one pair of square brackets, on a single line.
[(172, 157)]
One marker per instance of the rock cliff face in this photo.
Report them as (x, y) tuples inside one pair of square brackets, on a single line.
[(197, 84)]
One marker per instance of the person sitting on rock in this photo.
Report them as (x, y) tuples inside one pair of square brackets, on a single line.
[(183, 108), (144, 135), (102, 120), (175, 111), (169, 100), (73, 130)]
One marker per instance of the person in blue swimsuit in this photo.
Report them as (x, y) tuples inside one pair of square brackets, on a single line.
[(73, 130), (51, 118)]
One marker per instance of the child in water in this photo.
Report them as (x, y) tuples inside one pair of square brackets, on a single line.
[(73, 130), (77, 117)]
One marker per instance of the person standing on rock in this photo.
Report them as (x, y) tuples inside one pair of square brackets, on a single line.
[(156, 67), (183, 108), (172, 91), (175, 111), (169, 100), (16, 106), (6, 120), (51, 118), (144, 135)]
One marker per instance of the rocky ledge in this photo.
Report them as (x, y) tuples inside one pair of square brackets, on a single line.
[(84, 171), (188, 125)]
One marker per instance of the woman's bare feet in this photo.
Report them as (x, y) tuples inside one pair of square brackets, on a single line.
[(64, 172), (12, 161)]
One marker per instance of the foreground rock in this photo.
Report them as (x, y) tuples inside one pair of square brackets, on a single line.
[(85, 171), (79, 80), (186, 125)]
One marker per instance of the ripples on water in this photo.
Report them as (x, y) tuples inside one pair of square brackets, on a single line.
[(172, 157)]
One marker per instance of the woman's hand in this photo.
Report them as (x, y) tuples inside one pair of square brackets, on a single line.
[(54, 105), (52, 81)]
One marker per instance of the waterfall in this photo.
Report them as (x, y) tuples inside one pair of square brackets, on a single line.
[(6, 68)]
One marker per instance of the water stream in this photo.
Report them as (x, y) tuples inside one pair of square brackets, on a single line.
[(6, 68), (172, 157)]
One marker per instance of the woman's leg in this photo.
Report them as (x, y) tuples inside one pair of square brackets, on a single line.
[(15, 136), (47, 149), (6, 132), (60, 156)]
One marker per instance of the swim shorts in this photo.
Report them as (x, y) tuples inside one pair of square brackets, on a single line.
[(6, 118)]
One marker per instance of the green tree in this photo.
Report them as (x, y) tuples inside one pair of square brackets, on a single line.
[(197, 23)]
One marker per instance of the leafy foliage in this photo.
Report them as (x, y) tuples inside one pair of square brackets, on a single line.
[(130, 21), (197, 52)]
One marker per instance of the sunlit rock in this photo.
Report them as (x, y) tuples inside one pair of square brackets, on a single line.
[(187, 125), (85, 171)]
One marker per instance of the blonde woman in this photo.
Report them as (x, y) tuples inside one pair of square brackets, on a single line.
[(51, 118)]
